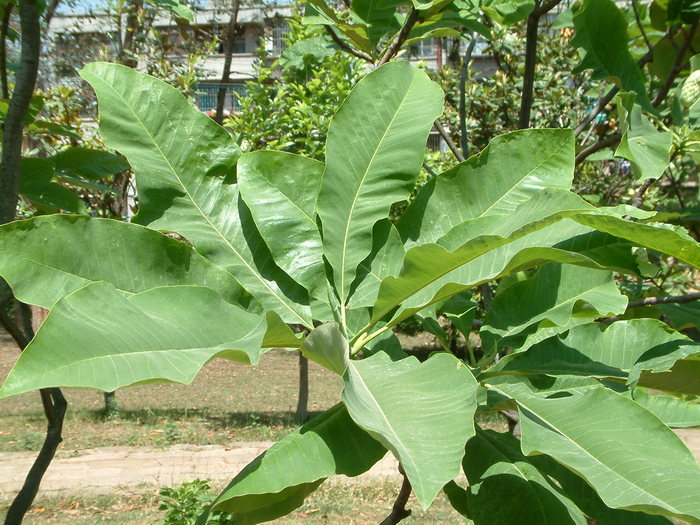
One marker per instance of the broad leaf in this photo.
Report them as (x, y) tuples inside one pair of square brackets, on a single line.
[(505, 12), (594, 350), (498, 473), (601, 36), (588, 501), (91, 164), (47, 258), (36, 185), (675, 412), (162, 334), (385, 259), (422, 412), (647, 149), (509, 171), (624, 452), (328, 347), (185, 174), (277, 481), (280, 189), (555, 293), (373, 156), (379, 20)]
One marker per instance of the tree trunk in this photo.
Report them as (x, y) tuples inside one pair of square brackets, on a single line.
[(127, 56), (303, 402), (19, 104), (228, 57)]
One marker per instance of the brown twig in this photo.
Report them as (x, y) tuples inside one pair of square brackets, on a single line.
[(600, 106), (399, 510), (601, 144), (346, 47), (464, 73), (638, 196), (677, 67), (671, 299), (448, 140), (393, 48)]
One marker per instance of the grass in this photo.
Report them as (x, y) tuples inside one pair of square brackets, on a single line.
[(226, 402), (334, 502)]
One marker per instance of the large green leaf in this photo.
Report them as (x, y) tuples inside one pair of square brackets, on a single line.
[(647, 149), (91, 164), (675, 412), (422, 412), (378, 20), (385, 259), (505, 12), (664, 238), (96, 337), (277, 481), (594, 350), (508, 172), (185, 174), (430, 270), (280, 190), (588, 501), (624, 452), (555, 293), (498, 473), (36, 185), (601, 36), (328, 347), (373, 156), (46, 258)]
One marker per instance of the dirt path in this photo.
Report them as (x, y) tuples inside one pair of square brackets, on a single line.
[(104, 469)]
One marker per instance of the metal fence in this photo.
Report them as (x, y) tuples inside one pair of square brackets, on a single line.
[(207, 93)]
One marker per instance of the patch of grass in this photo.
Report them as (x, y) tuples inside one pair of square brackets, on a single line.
[(226, 402), (133, 506), (334, 502)]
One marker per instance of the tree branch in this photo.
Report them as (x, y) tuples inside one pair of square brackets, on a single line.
[(601, 144), (463, 95), (228, 57), (399, 510), (635, 8), (638, 196), (448, 140), (346, 47), (527, 97), (671, 299), (393, 48), (600, 106), (677, 67), (3, 49)]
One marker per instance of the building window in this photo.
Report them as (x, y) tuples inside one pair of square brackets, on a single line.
[(239, 41), (279, 32), (425, 48), (208, 91)]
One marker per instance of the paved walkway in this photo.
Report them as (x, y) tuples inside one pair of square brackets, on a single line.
[(103, 469)]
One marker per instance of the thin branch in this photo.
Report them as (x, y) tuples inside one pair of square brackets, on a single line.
[(228, 58), (393, 48), (346, 47), (601, 144), (547, 7), (639, 195), (3, 49), (671, 299), (430, 171), (399, 510), (448, 140), (463, 95), (677, 67), (674, 185), (527, 97), (635, 8), (600, 106)]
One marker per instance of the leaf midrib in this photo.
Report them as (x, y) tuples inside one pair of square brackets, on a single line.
[(200, 211)]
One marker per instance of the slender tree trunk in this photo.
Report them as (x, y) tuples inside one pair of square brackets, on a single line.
[(228, 58), (133, 27), (3, 49), (463, 77), (19, 104), (533, 24), (303, 401)]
